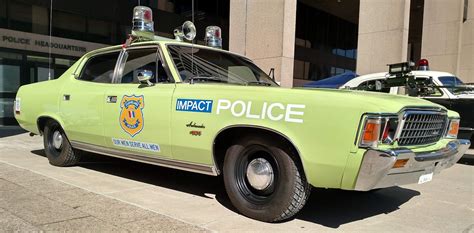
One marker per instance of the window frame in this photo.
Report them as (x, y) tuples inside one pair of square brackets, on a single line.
[(122, 60), (86, 62)]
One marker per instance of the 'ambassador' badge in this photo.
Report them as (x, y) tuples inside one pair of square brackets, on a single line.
[(131, 116)]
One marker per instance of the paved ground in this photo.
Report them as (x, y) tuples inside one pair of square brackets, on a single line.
[(107, 194)]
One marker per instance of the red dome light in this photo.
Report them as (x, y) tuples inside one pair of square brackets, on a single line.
[(423, 64)]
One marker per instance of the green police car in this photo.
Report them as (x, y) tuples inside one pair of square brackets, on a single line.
[(202, 109)]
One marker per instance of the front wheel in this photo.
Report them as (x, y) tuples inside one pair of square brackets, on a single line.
[(263, 179), (57, 147)]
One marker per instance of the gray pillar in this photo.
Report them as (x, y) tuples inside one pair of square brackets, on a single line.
[(383, 34), (264, 31), (466, 57), (441, 34)]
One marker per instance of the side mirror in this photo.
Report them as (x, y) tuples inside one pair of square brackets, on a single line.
[(144, 77)]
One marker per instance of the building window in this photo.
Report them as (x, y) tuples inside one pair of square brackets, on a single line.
[(3, 13), (325, 43), (20, 16)]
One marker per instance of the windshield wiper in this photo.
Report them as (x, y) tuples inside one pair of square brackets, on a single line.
[(258, 83), (205, 79)]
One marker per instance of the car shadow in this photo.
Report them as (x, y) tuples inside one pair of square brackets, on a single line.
[(327, 207), (39, 152), (467, 160), (192, 183), (333, 207), (8, 131)]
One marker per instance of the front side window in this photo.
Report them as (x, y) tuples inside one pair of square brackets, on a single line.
[(206, 65), (100, 68), (140, 60)]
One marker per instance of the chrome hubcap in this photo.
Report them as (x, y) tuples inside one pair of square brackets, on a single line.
[(57, 140), (260, 174)]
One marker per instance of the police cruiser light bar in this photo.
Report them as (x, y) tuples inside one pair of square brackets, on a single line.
[(399, 68), (143, 29)]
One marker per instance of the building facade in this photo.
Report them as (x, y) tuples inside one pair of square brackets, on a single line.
[(78, 27), (302, 40), (308, 40)]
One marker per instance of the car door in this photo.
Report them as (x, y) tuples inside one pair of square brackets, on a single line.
[(82, 98), (137, 116)]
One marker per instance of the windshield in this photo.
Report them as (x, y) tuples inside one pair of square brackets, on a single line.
[(206, 65), (455, 85), (450, 81)]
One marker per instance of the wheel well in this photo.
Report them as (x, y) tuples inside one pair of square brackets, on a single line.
[(41, 122), (227, 137)]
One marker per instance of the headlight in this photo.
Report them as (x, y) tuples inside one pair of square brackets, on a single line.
[(378, 130), (453, 128)]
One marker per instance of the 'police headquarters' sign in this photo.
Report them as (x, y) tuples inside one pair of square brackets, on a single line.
[(40, 43)]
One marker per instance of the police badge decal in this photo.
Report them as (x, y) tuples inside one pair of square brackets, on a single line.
[(131, 116)]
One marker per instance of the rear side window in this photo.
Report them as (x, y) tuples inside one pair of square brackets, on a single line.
[(379, 85), (100, 68)]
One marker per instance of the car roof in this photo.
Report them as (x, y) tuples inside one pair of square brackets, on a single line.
[(159, 40), (368, 77), (415, 72)]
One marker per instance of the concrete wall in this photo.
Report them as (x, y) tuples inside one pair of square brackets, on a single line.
[(442, 21), (466, 56), (383, 34), (264, 30)]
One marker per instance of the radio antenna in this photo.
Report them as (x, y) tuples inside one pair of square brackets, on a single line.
[(50, 34), (139, 3), (192, 41)]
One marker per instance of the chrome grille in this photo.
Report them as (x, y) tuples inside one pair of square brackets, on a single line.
[(422, 127)]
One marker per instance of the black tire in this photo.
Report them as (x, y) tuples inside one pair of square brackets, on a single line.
[(63, 156), (279, 201)]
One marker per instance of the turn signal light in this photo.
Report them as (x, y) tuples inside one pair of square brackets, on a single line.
[(371, 133), (453, 128), (400, 163)]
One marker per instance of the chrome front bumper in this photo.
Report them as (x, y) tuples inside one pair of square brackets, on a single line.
[(376, 170)]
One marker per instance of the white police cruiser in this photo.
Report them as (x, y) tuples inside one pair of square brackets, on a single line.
[(445, 89)]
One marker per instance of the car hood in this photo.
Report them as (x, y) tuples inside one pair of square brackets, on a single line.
[(373, 101), (465, 96)]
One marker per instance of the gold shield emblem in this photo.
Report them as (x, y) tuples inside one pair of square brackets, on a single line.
[(131, 115)]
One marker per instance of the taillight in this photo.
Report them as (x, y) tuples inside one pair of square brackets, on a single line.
[(17, 106)]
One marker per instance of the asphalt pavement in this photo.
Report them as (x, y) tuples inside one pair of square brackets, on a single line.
[(109, 194)]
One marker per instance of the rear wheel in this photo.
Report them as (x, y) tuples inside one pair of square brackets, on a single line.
[(57, 147), (263, 179)]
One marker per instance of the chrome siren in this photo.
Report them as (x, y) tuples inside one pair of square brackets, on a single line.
[(186, 31)]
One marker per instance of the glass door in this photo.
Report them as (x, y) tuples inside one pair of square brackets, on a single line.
[(10, 80)]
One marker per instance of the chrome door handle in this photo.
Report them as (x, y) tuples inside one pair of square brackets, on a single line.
[(112, 99)]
